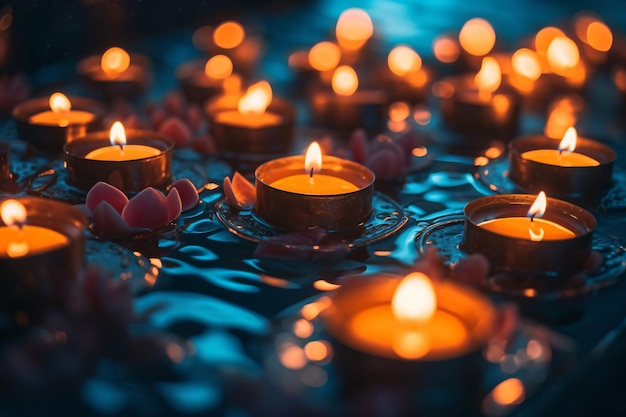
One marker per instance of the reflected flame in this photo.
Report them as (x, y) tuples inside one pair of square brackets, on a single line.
[(414, 299), (568, 143), (562, 55), (538, 208), (229, 35), (117, 134), (219, 67), (313, 158), (446, 49), (477, 37), (510, 391), (489, 77), (317, 350), (13, 213), (526, 62), (59, 103), (536, 233), (345, 81), (115, 61), (354, 27), (324, 56), (403, 60), (257, 98)]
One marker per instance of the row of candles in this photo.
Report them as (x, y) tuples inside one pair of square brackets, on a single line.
[(416, 318)]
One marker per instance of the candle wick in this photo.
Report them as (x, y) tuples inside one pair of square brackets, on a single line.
[(532, 217), (311, 174), (121, 147)]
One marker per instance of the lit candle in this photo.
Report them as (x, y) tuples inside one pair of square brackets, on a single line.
[(18, 239), (251, 109), (531, 227), (120, 150), (128, 160), (299, 192), (201, 80), (312, 182), (60, 113), (538, 163), (557, 244), (410, 319), (405, 77)]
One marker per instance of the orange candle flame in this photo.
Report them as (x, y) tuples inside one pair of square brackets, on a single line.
[(526, 63), (115, 61), (257, 98), (218, 67), (538, 208), (59, 103), (403, 59), (313, 159), (568, 143), (13, 213), (117, 135), (354, 27), (229, 35), (414, 299), (563, 55), (345, 82), (477, 37), (324, 56), (488, 78)]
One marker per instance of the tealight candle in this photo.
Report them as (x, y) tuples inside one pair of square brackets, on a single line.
[(576, 169), (301, 192), (404, 77), (130, 161), (201, 80), (116, 73), (348, 106), (41, 251), (521, 233), (49, 122), (252, 128), (473, 106)]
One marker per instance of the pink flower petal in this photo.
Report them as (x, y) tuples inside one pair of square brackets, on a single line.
[(359, 146), (148, 209), (187, 192), (205, 145), (106, 219), (102, 191), (174, 204), (177, 130)]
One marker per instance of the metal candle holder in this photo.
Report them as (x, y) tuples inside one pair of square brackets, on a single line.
[(52, 138), (291, 211), (129, 176), (131, 84), (196, 86), (578, 184), (556, 258)]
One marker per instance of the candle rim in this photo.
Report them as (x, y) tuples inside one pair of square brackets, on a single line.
[(26, 109), (604, 154), (80, 147)]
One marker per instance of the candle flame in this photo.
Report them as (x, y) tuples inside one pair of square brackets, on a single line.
[(117, 134), (313, 159), (538, 208), (446, 48), (59, 103), (354, 27), (414, 299), (544, 38), (488, 78), (218, 67), (345, 81), (257, 98), (324, 56), (229, 35), (115, 61), (593, 32), (477, 37), (403, 59), (526, 62), (563, 55), (13, 213), (568, 143)]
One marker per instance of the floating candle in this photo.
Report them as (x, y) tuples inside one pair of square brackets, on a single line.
[(60, 113), (120, 150), (312, 182), (563, 156), (18, 239)]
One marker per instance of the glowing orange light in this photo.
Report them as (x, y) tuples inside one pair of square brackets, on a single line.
[(292, 356), (414, 299), (488, 78), (345, 82), (59, 103), (399, 111), (115, 61), (538, 208), (619, 78), (324, 285), (599, 36), (317, 350), (446, 49), (403, 60), (229, 35), (324, 56), (509, 391), (354, 27), (257, 98), (117, 134), (545, 36), (526, 62), (303, 328), (12, 212), (477, 37), (568, 143), (313, 158), (219, 67), (562, 55)]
